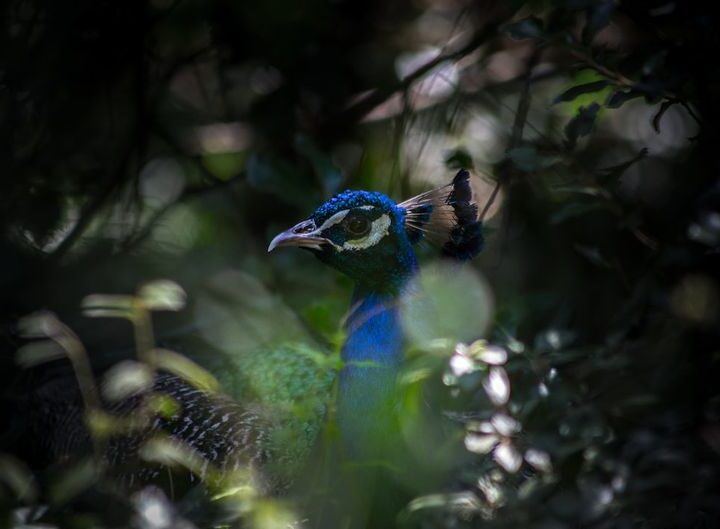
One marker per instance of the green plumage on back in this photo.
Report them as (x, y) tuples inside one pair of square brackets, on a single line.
[(291, 386)]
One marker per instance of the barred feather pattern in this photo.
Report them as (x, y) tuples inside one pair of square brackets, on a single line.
[(220, 431), (447, 217)]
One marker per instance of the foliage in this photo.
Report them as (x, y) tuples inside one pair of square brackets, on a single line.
[(172, 139)]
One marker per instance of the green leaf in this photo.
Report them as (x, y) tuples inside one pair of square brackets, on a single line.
[(660, 113), (185, 368), (126, 379), (162, 294), (459, 159), (575, 91), (581, 124), (18, 478), (38, 352), (620, 97)]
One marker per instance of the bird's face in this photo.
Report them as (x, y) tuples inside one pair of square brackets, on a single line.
[(370, 238), (360, 233)]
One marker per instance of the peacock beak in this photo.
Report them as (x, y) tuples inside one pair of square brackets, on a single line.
[(303, 234)]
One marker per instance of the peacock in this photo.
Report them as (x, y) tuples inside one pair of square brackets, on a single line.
[(371, 239)]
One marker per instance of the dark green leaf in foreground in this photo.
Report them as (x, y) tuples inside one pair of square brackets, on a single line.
[(620, 97), (575, 91), (581, 124)]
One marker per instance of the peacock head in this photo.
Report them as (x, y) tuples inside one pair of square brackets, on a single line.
[(370, 238)]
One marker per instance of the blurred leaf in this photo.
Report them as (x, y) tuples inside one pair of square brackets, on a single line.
[(183, 367), (173, 453), (466, 501), (446, 301), (239, 314), (38, 352), (527, 28), (162, 294), (73, 481), (126, 379), (270, 514), (18, 478), (108, 306), (582, 124), (163, 405), (620, 97), (322, 316), (41, 324), (458, 159), (575, 91)]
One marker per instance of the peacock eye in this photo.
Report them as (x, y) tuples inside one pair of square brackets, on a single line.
[(357, 224)]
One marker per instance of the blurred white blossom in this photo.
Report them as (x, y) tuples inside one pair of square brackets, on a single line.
[(508, 457), (497, 386)]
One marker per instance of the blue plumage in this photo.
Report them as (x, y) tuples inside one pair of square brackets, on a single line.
[(370, 238), (372, 356)]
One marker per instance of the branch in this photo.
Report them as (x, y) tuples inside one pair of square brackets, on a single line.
[(506, 170), (92, 208), (364, 106)]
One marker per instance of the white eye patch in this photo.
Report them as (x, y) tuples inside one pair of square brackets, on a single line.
[(335, 219), (379, 229), (338, 218)]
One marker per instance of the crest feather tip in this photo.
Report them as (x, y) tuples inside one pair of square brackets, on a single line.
[(448, 217)]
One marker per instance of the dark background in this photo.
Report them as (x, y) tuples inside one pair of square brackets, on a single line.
[(172, 139)]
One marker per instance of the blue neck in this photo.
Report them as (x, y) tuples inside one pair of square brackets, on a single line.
[(372, 356)]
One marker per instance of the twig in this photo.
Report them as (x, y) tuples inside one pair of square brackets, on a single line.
[(92, 208), (517, 131), (613, 75), (362, 107)]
